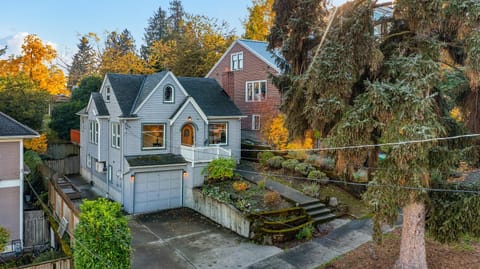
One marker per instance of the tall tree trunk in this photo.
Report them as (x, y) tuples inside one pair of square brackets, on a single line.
[(412, 247)]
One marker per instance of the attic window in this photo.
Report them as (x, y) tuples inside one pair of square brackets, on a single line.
[(107, 94), (168, 94), (236, 61)]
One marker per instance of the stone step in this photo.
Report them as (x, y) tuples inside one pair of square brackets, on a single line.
[(313, 202), (319, 212), (314, 206), (323, 218)]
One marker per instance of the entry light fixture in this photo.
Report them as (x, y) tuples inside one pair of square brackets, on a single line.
[(132, 178), (184, 173), (189, 118)]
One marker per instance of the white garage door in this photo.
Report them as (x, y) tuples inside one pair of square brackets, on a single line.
[(158, 191)]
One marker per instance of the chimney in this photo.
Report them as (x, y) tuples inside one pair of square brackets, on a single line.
[(227, 83)]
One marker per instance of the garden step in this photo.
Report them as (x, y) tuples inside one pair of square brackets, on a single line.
[(313, 202), (323, 218), (314, 206), (319, 212)]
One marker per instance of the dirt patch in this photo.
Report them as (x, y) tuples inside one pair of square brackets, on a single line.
[(439, 256)]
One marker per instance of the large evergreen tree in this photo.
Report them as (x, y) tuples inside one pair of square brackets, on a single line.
[(357, 89), (156, 30), (83, 64), (120, 56), (177, 17)]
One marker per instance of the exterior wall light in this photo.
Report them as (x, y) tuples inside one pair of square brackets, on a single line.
[(132, 178)]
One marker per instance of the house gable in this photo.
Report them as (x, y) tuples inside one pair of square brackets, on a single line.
[(156, 94)]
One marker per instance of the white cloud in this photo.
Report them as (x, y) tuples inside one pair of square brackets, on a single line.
[(14, 43)]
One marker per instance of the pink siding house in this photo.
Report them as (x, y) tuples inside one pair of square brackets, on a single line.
[(12, 134)]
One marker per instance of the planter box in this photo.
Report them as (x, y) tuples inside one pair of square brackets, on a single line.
[(223, 214)]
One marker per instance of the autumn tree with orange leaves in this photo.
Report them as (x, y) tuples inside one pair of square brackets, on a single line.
[(36, 64)]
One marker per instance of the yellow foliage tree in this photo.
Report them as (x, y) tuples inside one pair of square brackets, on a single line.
[(36, 63), (260, 20), (122, 63), (276, 134), (38, 144)]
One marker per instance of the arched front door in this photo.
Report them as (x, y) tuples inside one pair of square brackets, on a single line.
[(188, 135)]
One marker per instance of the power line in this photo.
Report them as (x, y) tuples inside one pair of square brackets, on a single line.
[(435, 139), (364, 184)]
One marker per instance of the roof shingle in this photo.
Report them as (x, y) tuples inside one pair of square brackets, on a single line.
[(100, 104), (126, 89), (9, 127)]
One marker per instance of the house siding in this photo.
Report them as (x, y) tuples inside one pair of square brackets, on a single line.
[(10, 213), (9, 160), (176, 129), (254, 69)]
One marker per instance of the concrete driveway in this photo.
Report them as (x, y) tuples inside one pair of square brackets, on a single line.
[(182, 238)]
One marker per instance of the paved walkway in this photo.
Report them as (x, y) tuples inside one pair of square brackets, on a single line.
[(285, 191)]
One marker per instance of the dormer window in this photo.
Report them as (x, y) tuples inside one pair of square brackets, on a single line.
[(236, 61), (107, 94), (168, 94)]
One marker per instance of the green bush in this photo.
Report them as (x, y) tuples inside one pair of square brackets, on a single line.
[(297, 154), (303, 168), (4, 236), (104, 231), (311, 189), (316, 175), (220, 169), (306, 232), (327, 163), (312, 159), (263, 157), (275, 162), (216, 193), (290, 164)]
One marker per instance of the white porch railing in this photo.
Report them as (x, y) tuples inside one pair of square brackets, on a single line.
[(204, 154)]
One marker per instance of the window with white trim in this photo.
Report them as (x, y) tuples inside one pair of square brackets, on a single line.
[(236, 62), (169, 94), (153, 136), (255, 91), (93, 132), (115, 135), (255, 122), (107, 94), (89, 161), (217, 133)]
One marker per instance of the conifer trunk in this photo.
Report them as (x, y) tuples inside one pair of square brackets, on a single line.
[(412, 247)]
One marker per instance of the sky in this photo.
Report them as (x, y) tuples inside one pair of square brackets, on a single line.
[(61, 23)]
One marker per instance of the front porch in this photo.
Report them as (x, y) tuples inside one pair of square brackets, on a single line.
[(204, 154)]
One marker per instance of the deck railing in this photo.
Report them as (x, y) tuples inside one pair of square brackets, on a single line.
[(204, 154)]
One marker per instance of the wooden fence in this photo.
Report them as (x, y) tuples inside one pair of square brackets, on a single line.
[(62, 263), (67, 166), (63, 206), (60, 151), (36, 228)]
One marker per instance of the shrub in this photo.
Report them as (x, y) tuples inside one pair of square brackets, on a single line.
[(290, 164), (4, 236), (297, 154), (242, 205), (360, 175), (306, 232), (99, 221), (263, 157), (262, 184), (240, 186), (272, 199), (316, 175), (327, 163), (303, 168), (275, 162), (216, 193), (220, 169), (312, 189), (312, 159)]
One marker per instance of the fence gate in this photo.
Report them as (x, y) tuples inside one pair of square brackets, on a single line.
[(35, 227)]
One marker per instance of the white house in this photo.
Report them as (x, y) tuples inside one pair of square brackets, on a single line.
[(144, 139)]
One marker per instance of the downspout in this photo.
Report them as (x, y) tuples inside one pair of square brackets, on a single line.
[(21, 191), (122, 155)]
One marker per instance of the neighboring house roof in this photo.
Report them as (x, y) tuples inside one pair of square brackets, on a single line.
[(258, 48), (210, 97), (126, 88), (9, 127), (155, 160), (100, 104)]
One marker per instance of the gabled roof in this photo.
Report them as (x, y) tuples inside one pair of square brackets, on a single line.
[(126, 88), (258, 48), (148, 86), (209, 96), (154, 160), (9, 127), (99, 104)]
